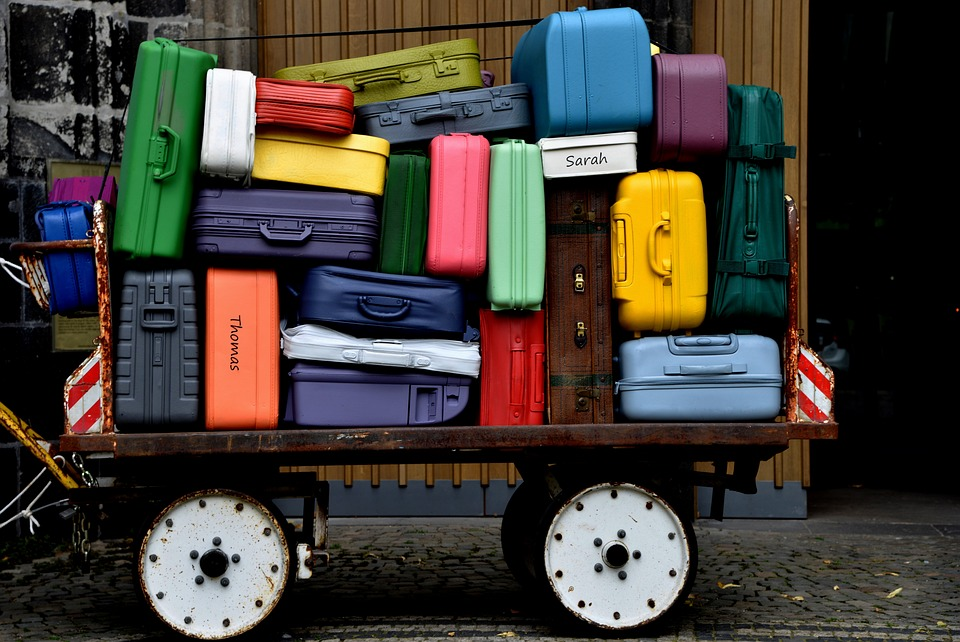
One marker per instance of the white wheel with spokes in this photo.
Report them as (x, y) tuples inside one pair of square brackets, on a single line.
[(213, 564), (618, 557)]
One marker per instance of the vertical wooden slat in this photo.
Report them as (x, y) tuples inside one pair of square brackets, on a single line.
[(457, 476), (402, 478), (430, 476), (484, 475)]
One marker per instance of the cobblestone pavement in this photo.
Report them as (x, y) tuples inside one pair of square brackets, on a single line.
[(830, 577)]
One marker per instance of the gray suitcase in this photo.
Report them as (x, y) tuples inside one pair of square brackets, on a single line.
[(728, 377), (496, 112), (157, 369)]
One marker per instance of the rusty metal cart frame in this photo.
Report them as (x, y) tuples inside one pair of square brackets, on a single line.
[(574, 477)]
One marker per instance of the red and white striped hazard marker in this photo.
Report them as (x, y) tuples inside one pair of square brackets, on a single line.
[(814, 387), (82, 393)]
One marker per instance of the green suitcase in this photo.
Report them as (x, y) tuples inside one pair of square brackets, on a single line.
[(752, 266), (516, 227), (414, 71), (161, 149), (403, 230)]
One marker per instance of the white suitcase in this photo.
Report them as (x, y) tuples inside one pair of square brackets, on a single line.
[(229, 121), (313, 342), (589, 155)]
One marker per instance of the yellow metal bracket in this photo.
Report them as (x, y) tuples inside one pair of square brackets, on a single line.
[(41, 448)]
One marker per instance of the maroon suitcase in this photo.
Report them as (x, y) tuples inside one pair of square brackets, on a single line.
[(689, 107), (512, 367)]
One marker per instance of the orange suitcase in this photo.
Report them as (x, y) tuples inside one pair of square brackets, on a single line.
[(658, 236), (242, 383)]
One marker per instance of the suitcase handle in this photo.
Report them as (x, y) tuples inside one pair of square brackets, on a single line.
[(391, 308), (172, 154), (656, 264), (159, 317), (399, 75), (431, 115), (286, 235)]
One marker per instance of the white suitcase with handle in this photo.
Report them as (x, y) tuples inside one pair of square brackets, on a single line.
[(229, 122), (313, 342)]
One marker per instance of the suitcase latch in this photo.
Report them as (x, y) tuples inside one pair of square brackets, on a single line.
[(584, 396), (579, 279), (580, 334), (581, 214)]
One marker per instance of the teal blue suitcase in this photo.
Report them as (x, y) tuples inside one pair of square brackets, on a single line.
[(588, 72)]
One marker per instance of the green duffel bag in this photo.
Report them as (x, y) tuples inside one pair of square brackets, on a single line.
[(752, 265)]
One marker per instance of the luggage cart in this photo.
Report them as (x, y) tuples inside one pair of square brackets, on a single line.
[(602, 524)]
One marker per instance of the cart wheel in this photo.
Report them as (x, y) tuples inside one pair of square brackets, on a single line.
[(521, 533), (618, 557), (214, 564)]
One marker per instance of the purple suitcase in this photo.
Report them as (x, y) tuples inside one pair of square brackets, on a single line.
[(689, 107), (331, 395), (319, 226)]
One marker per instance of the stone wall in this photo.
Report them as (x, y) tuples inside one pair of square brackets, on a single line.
[(66, 70)]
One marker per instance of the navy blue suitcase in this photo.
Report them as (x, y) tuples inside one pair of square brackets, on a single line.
[(70, 273), (367, 303)]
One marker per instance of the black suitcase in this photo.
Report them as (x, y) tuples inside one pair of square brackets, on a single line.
[(157, 368)]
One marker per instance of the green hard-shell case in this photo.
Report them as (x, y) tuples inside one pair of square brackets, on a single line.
[(161, 149)]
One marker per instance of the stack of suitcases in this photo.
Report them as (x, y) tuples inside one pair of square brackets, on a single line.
[(461, 252)]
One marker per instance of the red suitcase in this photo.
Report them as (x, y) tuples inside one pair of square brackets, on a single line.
[(457, 208), (512, 367), (302, 104)]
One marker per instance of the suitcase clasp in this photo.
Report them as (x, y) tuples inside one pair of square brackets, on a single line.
[(580, 334), (579, 279)]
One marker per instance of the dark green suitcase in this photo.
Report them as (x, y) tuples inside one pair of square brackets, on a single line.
[(161, 149), (752, 266), (403, 231)]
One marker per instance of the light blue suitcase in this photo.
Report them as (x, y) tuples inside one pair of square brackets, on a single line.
[(589, 71)]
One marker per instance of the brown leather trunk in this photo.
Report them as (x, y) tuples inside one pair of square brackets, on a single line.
[(579, 309)]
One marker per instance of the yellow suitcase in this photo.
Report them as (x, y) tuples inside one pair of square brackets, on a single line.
[(659, 251), (351, 163)]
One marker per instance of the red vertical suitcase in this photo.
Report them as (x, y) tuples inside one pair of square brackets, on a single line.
[(457, 209), (242, 383), (512, 372)]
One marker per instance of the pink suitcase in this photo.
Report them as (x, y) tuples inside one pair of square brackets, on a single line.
[(457, 207), (85, 189)]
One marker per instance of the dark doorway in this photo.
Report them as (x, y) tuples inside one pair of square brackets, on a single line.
[(882, 261)]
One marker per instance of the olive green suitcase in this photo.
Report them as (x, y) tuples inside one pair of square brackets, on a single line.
[(414, 71)]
